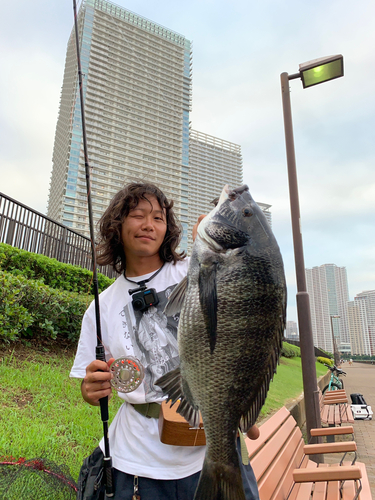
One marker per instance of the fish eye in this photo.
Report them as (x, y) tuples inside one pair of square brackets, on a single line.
[(246, 212)]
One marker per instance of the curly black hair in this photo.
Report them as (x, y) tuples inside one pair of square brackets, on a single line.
[(110, 249)]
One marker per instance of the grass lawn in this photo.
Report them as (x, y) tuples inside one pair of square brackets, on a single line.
[(287, 384), (42, 411), (43, 415)]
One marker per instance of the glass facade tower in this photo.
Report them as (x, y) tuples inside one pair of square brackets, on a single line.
[(327, 286), (365, 303), (137, 93)]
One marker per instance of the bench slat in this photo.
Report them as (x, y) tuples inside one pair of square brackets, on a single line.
[(320, 489), (348, 415), (333, 490), (337, 415), (324, 414), (331, 415)]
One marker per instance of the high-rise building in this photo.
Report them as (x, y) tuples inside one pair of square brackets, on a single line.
[(358, 327), (328, 291), (213, 163), (362, 323), (291, 331), (137, 91)]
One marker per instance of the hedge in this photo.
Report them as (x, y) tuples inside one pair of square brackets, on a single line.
[(325, 361), (290, 351), (29, 308), (51, 272)]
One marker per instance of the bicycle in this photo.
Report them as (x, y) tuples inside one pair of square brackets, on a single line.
[(335, 382)]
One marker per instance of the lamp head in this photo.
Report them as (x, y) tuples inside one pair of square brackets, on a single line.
[(321, 70)]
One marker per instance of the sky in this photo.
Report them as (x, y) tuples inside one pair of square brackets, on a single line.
[(240, 48)]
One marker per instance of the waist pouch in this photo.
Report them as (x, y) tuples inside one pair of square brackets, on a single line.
[(149, 410), (90, 485)]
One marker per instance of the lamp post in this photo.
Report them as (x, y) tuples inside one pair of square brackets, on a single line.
[(311, 73), (334, 344)]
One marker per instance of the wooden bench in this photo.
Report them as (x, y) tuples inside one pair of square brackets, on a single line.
[(339, 395), (335, 409), (284, 471)]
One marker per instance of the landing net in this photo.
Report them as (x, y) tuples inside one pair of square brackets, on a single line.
[(35, 479)]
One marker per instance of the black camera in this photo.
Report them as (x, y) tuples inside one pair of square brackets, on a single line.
[(144, 298)]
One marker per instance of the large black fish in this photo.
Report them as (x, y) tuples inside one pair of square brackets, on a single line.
[(232, 304)]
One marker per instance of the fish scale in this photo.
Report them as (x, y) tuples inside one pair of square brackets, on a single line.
[(232, 318)]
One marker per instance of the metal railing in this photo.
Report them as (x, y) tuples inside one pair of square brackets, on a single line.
[(25, 228)]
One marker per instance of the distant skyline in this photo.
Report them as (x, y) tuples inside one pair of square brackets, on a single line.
[(239, 50)]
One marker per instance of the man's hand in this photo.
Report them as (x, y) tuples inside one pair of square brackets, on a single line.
[(195, 227), (96, 385)]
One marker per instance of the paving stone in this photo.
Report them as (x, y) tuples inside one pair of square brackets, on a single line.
[(360, 379)]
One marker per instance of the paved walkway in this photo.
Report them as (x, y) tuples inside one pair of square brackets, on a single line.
[(361, 378)]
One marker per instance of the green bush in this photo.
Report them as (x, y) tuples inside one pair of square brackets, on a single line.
[(290, 351), (325, 361), (51, 272), (29, 308)]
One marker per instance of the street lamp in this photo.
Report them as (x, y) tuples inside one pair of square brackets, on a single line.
[(311, 73), (334, 344)]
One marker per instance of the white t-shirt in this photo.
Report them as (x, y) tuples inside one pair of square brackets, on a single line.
[(151, 337)]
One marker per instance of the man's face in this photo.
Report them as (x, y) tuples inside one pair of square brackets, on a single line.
[(143, 230)]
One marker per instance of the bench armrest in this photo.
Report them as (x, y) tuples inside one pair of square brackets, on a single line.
[(344, 473), (342, 447), (332, 431)]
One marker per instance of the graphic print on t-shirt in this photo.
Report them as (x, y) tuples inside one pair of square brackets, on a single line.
[(153, 337)]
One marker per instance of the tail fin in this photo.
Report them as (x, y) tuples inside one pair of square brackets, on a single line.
[(219, 481)]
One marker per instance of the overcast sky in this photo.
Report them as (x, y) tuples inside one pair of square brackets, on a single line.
[(240, 48)]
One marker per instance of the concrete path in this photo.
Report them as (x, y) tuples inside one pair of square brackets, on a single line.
[(360, 378)]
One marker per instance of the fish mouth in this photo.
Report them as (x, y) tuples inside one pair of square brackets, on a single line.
[(226, 194), (229, 193)]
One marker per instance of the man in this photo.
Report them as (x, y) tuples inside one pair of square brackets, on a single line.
[(139, 238)]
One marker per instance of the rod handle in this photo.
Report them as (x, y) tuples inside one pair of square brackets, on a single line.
[(108, 471)]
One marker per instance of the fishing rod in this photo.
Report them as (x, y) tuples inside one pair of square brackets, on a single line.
[(99, 351)]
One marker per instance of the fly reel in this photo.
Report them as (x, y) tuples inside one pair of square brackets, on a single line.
[(128, 374)]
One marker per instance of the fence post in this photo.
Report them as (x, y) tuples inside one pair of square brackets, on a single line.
[(61, 256), (10, 232)]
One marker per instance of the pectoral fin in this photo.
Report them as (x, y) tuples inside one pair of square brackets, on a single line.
[(208, 300), (176, 299), (176, 389)]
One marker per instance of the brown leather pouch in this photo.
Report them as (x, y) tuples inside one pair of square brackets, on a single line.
[(174, 430)]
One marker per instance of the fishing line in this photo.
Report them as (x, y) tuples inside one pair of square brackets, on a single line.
[(260, 222)]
